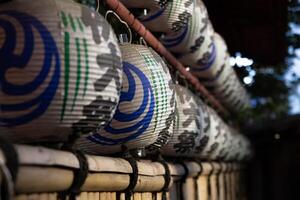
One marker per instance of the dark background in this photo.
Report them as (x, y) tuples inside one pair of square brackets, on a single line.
[(257, 29)]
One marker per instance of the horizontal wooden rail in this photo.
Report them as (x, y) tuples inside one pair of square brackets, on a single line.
[(47, 170), (136, 25)]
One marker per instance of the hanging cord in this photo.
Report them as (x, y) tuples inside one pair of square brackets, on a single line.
[(79, 178), (167, 175), (11, 167), (69, 144), (183, 179), (133, 176)]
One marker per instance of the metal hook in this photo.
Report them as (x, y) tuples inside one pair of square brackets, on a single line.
[(142, 41), (179, 76), (121, 21)]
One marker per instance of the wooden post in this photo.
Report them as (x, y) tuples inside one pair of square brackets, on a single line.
[(221, 177), (202, 182)]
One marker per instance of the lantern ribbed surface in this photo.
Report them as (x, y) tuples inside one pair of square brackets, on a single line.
[(215, 136), (145, 114), (218, 68), (200, 133), (162, 15), (61, 70), (240, 150), (195, 39), (224, 143), (192, 124), (222, 80)]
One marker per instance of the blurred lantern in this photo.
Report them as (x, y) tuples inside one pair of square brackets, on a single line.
[(217, 136), (163, 16), (239, 148), (61, 70), (194, 41), (223, 141), (218, 69), (221, 79), (145, 114), (191, 125)]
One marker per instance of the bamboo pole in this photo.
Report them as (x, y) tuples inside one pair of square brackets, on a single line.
[(189, 189), (221, 177), (202, 182), (83, 196), (97, 196), (52, 173), (137, 196), (214, 181), (173, 190), (228, 182), (233, 183), (43, 179), (146, 196), (46, 179), (149, 184), (190, 184)]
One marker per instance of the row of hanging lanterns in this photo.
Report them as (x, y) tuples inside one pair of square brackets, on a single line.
[(192, 39), (64, 73)]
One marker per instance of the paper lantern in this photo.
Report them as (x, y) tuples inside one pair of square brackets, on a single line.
[(221, 78), (61, 70), (192, 124), (163, 16), (217, 136), (215, 71), (224, 141), (232, 94), (195, 38), (239, 148), (145, 114)]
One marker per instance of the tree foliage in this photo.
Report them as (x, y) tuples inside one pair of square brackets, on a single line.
[(270, 89)]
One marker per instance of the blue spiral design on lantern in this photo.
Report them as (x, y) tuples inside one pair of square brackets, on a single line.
[(170, 42), (8, 59), (126, 96), (207, 64)]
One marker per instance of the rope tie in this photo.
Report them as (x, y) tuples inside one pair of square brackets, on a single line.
[(133, 176), (80, 176), (183, 179), (167, 176)]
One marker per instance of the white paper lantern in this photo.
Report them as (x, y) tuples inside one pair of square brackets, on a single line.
[(195, 39), (240, 148), (221, 79), (61, 70), (163, 16), (217, 70), (192, 124), (145, 114), (224, 141), (217, 136), (232, 94)]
